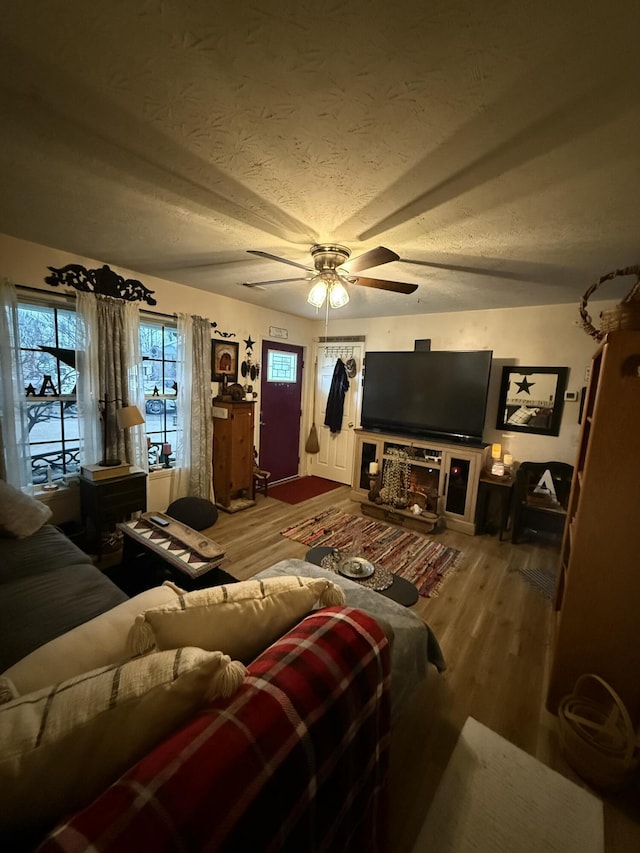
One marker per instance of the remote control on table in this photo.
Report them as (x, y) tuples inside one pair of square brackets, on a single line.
[(158, 520)]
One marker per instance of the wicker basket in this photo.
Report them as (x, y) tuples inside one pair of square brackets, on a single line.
[(626, 315), (597, 736)]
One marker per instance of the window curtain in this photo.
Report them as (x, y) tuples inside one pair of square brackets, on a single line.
[(137, 435), (110, 368), (88, 394), (15, 458), (194, 471)]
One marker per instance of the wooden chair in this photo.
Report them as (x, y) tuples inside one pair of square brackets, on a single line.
[(260, 476), (538, 511)]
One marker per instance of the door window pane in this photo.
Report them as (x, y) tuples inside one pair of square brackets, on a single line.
[(281, 366)]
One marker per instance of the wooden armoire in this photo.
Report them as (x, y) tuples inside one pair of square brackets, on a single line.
[(233, 453), (598, 602)]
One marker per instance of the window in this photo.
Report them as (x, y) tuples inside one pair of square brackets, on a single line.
[(47, 352), (281, 366), (158, 348)]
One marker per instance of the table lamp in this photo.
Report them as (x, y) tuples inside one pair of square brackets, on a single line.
[(126, 417)]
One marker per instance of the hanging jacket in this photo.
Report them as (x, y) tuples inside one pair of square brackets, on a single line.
[(335, 400)]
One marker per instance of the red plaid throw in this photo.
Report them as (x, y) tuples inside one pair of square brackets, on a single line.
[(296, 761)]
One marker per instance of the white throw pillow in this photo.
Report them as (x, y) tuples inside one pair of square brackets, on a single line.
[(522, 416), (20, 514), (99, 642), (240, 619), (61, 746)]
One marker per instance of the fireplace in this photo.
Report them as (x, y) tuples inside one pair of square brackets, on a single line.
[(426, 482)]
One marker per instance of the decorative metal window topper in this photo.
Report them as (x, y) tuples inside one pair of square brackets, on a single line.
[(104, 281)]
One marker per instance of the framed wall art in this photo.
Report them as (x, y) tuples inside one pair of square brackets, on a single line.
[(531, 399), (224, 361)]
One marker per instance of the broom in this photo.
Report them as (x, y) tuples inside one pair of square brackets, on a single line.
[(313, 445)]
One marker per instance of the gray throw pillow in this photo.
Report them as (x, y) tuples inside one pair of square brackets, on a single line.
[(20, 514)]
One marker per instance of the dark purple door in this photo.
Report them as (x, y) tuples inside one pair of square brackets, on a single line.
[(281, 393)]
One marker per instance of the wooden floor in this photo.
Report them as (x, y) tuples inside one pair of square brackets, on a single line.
[(494, 630)]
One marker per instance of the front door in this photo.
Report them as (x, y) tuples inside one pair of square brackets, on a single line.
[(335, 459), (280, 397)]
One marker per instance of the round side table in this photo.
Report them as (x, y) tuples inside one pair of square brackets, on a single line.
[(400, 590)]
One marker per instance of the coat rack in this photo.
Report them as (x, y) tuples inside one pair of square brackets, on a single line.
[(338, 352)]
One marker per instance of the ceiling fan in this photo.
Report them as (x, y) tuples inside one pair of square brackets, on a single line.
[(333, 269)]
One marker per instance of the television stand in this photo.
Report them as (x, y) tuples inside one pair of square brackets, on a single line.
[(426, 522), (446, 474)]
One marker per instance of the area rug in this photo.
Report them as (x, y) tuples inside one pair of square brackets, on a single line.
[(301, 489), (495, 798), (544, 580), (423, 562)]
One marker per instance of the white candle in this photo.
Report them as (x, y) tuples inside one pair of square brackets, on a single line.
[(496, 451), (508, 460), (373, 468), (49, 475)]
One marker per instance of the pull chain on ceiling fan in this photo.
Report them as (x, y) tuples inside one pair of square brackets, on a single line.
[(333, 269)]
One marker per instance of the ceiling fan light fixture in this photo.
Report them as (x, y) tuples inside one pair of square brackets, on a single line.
[(318, 293), (338, 296)]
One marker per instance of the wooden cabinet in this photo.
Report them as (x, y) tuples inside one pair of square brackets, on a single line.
[(233, 454), (105, 502), (598, 601), (446, 474)]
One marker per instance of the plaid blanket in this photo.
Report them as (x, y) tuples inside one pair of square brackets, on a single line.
[(296, 760)]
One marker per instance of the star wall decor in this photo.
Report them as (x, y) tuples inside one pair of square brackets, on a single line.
[(249, 344), (524, 386)]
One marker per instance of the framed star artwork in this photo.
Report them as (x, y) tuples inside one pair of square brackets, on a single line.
[(531, 399)]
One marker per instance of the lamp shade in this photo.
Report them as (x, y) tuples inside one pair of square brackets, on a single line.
[(317, 294), (338, 296), (129, 416)]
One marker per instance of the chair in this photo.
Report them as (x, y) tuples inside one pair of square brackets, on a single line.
[(536, 509), (260, 476)]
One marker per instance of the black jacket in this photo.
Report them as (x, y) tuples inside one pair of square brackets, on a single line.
[(335, 400)]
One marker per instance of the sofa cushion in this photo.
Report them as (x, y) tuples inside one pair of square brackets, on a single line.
[(20, 514), (99, 642), (47, 586), (297, 760), (61, 746), (241, 619)]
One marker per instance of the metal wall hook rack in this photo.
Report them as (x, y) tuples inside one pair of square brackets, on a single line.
[(338, 352)]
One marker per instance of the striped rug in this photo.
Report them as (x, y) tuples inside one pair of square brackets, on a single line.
[(421, 561)]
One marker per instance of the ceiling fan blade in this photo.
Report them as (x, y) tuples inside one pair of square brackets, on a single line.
[(382, 284), (372, 258), (275, 281), (276, 258), (494, 273)]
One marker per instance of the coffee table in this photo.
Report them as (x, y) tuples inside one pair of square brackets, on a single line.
[(401, 590)]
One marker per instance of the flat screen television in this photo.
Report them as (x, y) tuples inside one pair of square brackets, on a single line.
[(437, 393)]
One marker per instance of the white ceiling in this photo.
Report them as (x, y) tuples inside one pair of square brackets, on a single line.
[(493, 145)]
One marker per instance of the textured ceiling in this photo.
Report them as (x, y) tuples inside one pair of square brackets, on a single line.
[(492, 145)]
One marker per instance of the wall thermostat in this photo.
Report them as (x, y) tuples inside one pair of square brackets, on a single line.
[(571, 396)]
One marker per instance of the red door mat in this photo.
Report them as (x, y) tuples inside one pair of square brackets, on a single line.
[(301, 489)]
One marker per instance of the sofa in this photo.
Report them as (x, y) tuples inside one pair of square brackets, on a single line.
[(295, 757)]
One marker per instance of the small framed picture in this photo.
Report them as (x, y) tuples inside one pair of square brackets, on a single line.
[(224, 361), (531, 399)]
